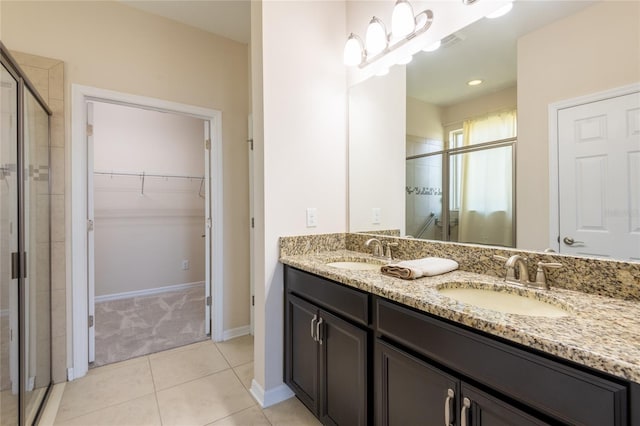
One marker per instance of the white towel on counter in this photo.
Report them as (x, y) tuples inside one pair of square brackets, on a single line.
[(426, 267)]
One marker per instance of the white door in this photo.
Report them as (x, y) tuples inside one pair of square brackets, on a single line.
[(91, 291), (252, 224), (207, 226), (599, 178)]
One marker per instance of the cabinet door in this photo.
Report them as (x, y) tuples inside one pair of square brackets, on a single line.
[(301, 355), (343, 369), (479, 408), (412, 392)]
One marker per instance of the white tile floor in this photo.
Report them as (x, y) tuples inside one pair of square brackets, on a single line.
[(201, 384)]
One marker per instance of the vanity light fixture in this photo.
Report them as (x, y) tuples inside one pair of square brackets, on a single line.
[(377, 42), (403, 22), (474, 82)]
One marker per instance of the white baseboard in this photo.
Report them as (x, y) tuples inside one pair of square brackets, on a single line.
[(270, 397), (236, 332), (146, 292)]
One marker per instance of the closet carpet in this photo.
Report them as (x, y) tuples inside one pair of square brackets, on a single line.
[(129, 328)]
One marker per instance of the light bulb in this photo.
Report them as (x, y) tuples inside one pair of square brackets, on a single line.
[(501, 12), (353, 51), (433, 46), (403, 22), (376, 38)]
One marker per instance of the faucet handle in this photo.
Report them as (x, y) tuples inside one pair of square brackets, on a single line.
[(388, 246), (541, 279), (497, 257)]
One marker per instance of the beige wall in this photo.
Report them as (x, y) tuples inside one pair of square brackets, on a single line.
[(112, 46), (423, 119), (593, 50)]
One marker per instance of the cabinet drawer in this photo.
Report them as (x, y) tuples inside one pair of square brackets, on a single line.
[(332, 296), (565, 393)]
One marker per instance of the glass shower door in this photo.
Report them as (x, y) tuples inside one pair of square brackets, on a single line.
[(9, 345), (37, 289)]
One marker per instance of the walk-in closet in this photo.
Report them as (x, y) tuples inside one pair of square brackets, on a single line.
[(148, 238), (25, 247)]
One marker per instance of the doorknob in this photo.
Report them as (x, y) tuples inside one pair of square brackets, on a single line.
[(570, 241)]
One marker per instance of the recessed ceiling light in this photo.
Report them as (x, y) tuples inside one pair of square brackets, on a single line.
[(474, 82)]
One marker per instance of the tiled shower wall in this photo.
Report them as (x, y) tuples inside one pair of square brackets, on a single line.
[(47, 75)]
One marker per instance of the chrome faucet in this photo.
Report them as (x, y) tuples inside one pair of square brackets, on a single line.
[(387, 253), (376, 247)]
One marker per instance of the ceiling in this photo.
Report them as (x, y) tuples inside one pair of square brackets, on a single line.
[(227, 18), (484, 50)]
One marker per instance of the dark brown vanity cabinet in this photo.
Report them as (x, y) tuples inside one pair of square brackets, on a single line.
[(519, 387), (410, 391), (326, 350)]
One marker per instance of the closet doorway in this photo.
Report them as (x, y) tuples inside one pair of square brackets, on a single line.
[(147, 267), (148, 233)]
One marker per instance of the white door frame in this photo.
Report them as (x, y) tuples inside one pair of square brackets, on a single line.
[(78, 320), (554, 109)]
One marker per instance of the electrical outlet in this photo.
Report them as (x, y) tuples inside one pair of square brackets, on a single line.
[(312, 217), (185, 265), (375, 215)]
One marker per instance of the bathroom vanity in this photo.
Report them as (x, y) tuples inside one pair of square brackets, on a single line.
[(362, 348)]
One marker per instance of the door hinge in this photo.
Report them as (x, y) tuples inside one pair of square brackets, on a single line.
[(90, 321), (89, 225), (208, 300), (250, 141), (253, 222), (89, 129), (207, 144), (253, 300)]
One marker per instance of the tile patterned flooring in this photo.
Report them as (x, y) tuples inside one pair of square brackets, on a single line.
[(201, 384)]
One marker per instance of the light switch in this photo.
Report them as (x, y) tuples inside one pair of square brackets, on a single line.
[(375, 215), (312, 217)]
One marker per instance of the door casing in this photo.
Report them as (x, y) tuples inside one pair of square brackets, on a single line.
[(77, 245)]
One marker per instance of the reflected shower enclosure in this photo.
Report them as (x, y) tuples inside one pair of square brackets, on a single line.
[(25, 248)]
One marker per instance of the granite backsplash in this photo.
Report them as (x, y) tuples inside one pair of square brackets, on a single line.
[(603, 277)]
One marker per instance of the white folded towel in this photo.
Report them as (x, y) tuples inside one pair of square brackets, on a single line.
[(426, 267)]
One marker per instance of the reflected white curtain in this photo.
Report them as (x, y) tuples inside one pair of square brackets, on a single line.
[(486, 186)]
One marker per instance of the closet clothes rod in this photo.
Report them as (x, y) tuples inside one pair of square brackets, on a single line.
[(144, 175)]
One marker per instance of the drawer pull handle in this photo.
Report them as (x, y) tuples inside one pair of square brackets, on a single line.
[(318, 330), (466, 404), (447, 407), (313, 328)]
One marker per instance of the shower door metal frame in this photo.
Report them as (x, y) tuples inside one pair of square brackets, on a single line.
[(23, 81), (446, 177)]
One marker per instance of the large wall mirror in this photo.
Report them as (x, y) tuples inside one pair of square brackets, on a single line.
[(437, 158)]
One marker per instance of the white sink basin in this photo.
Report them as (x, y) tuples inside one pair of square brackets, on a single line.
[(354, 265), (500, 301)]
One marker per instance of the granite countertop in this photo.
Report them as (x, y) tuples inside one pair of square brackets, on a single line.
[(600, 332)]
